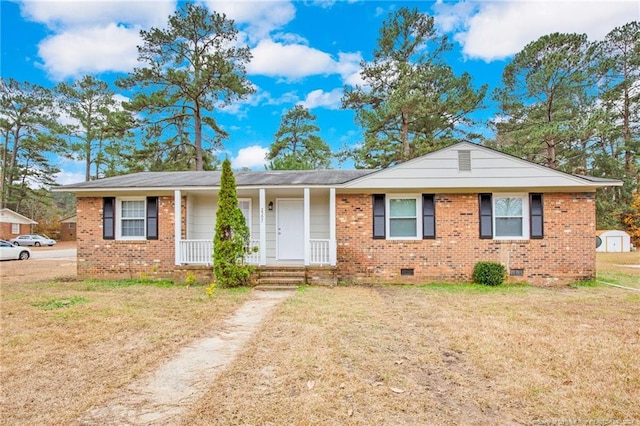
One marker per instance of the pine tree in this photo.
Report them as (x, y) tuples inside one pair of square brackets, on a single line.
[(296, 146), (192, 67)]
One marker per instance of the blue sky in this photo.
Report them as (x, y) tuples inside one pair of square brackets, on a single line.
[(304, 52)]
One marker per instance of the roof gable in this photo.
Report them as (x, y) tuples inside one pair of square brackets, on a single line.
[(9, 216), (470, 166)]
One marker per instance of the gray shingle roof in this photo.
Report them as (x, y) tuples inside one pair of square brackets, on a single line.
[(191, 179)]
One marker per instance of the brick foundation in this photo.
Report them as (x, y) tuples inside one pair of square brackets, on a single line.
[(566, 254)]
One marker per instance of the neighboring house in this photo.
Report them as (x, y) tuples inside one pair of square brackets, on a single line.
[(428, 219), (68, 228), (13, 224), (613, 241)]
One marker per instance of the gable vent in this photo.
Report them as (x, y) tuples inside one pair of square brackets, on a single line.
[(464, 160)]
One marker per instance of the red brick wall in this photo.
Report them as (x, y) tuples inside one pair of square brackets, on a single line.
[(98, 258), (5, 231), (566, 254), (67, 231)]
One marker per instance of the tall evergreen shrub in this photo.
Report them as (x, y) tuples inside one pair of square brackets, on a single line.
[(232, 235)]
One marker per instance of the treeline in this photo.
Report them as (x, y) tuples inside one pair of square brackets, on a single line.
[(563, 102)]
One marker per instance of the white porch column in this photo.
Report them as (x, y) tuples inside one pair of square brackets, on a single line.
[(307, 227), (333, 247), (177, 230), (263, 228)]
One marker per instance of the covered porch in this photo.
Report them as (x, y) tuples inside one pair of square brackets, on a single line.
[(288, 226)]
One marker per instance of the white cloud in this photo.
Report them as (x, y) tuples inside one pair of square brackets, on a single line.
[(285, 60), (260, 16), (93, 36), (89, 50), (66, 177), (497, 30), (280, 60), (320, 98), (91, 13), (250, 157), (453, 16)]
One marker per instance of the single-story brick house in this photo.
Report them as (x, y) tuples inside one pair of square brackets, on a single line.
[(428, 219), (13, 224), (68, 228)]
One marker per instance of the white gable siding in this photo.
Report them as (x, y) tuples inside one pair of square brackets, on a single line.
[(489, 169), (9, 216)]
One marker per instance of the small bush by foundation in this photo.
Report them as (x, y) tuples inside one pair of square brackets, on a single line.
[(489, 273)]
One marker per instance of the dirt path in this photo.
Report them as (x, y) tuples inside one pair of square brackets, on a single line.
[(160, 397)]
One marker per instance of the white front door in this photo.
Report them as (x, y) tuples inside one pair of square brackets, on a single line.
[(290, 229)]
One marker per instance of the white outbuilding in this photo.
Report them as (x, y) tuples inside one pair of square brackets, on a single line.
[(612, 241)]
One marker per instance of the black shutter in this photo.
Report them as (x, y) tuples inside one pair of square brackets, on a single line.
[(152, 218), (486, 216), (108, 218), (428, 216), (536, 221), (378, 216)]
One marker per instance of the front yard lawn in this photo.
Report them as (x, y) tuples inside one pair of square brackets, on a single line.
[(437, 355), (432, 354)]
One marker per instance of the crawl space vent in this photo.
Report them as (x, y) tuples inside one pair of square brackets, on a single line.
[(406, 272), (516, 272)]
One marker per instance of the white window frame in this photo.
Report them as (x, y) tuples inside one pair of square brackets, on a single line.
[(247, 218), (15, 228), (118, 218), (525, 215), (418, 200)]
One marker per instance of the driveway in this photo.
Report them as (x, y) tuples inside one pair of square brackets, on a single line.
[(46, 264)]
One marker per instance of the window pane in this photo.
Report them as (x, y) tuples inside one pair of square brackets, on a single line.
[(133, 228), (508, 227), (133, 209), (402, 227), (402, 208), (508, 206)]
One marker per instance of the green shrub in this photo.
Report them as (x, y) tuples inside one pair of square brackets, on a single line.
[(489, 273), (231, 235)]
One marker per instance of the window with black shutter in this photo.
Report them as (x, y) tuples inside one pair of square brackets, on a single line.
[(152, 218), (378, 216), (108, 218), (486, 218), (536, 220), (428, 216)]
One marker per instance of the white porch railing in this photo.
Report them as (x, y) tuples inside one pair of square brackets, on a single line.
[(200, 252), (319, 252), (196, 252), (253, 257)]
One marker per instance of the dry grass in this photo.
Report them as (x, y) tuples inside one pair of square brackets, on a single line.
[(437, 355), (619, 268), (69, 346)]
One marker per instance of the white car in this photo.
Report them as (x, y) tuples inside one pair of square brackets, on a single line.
[(32, 240), (10, 252)]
